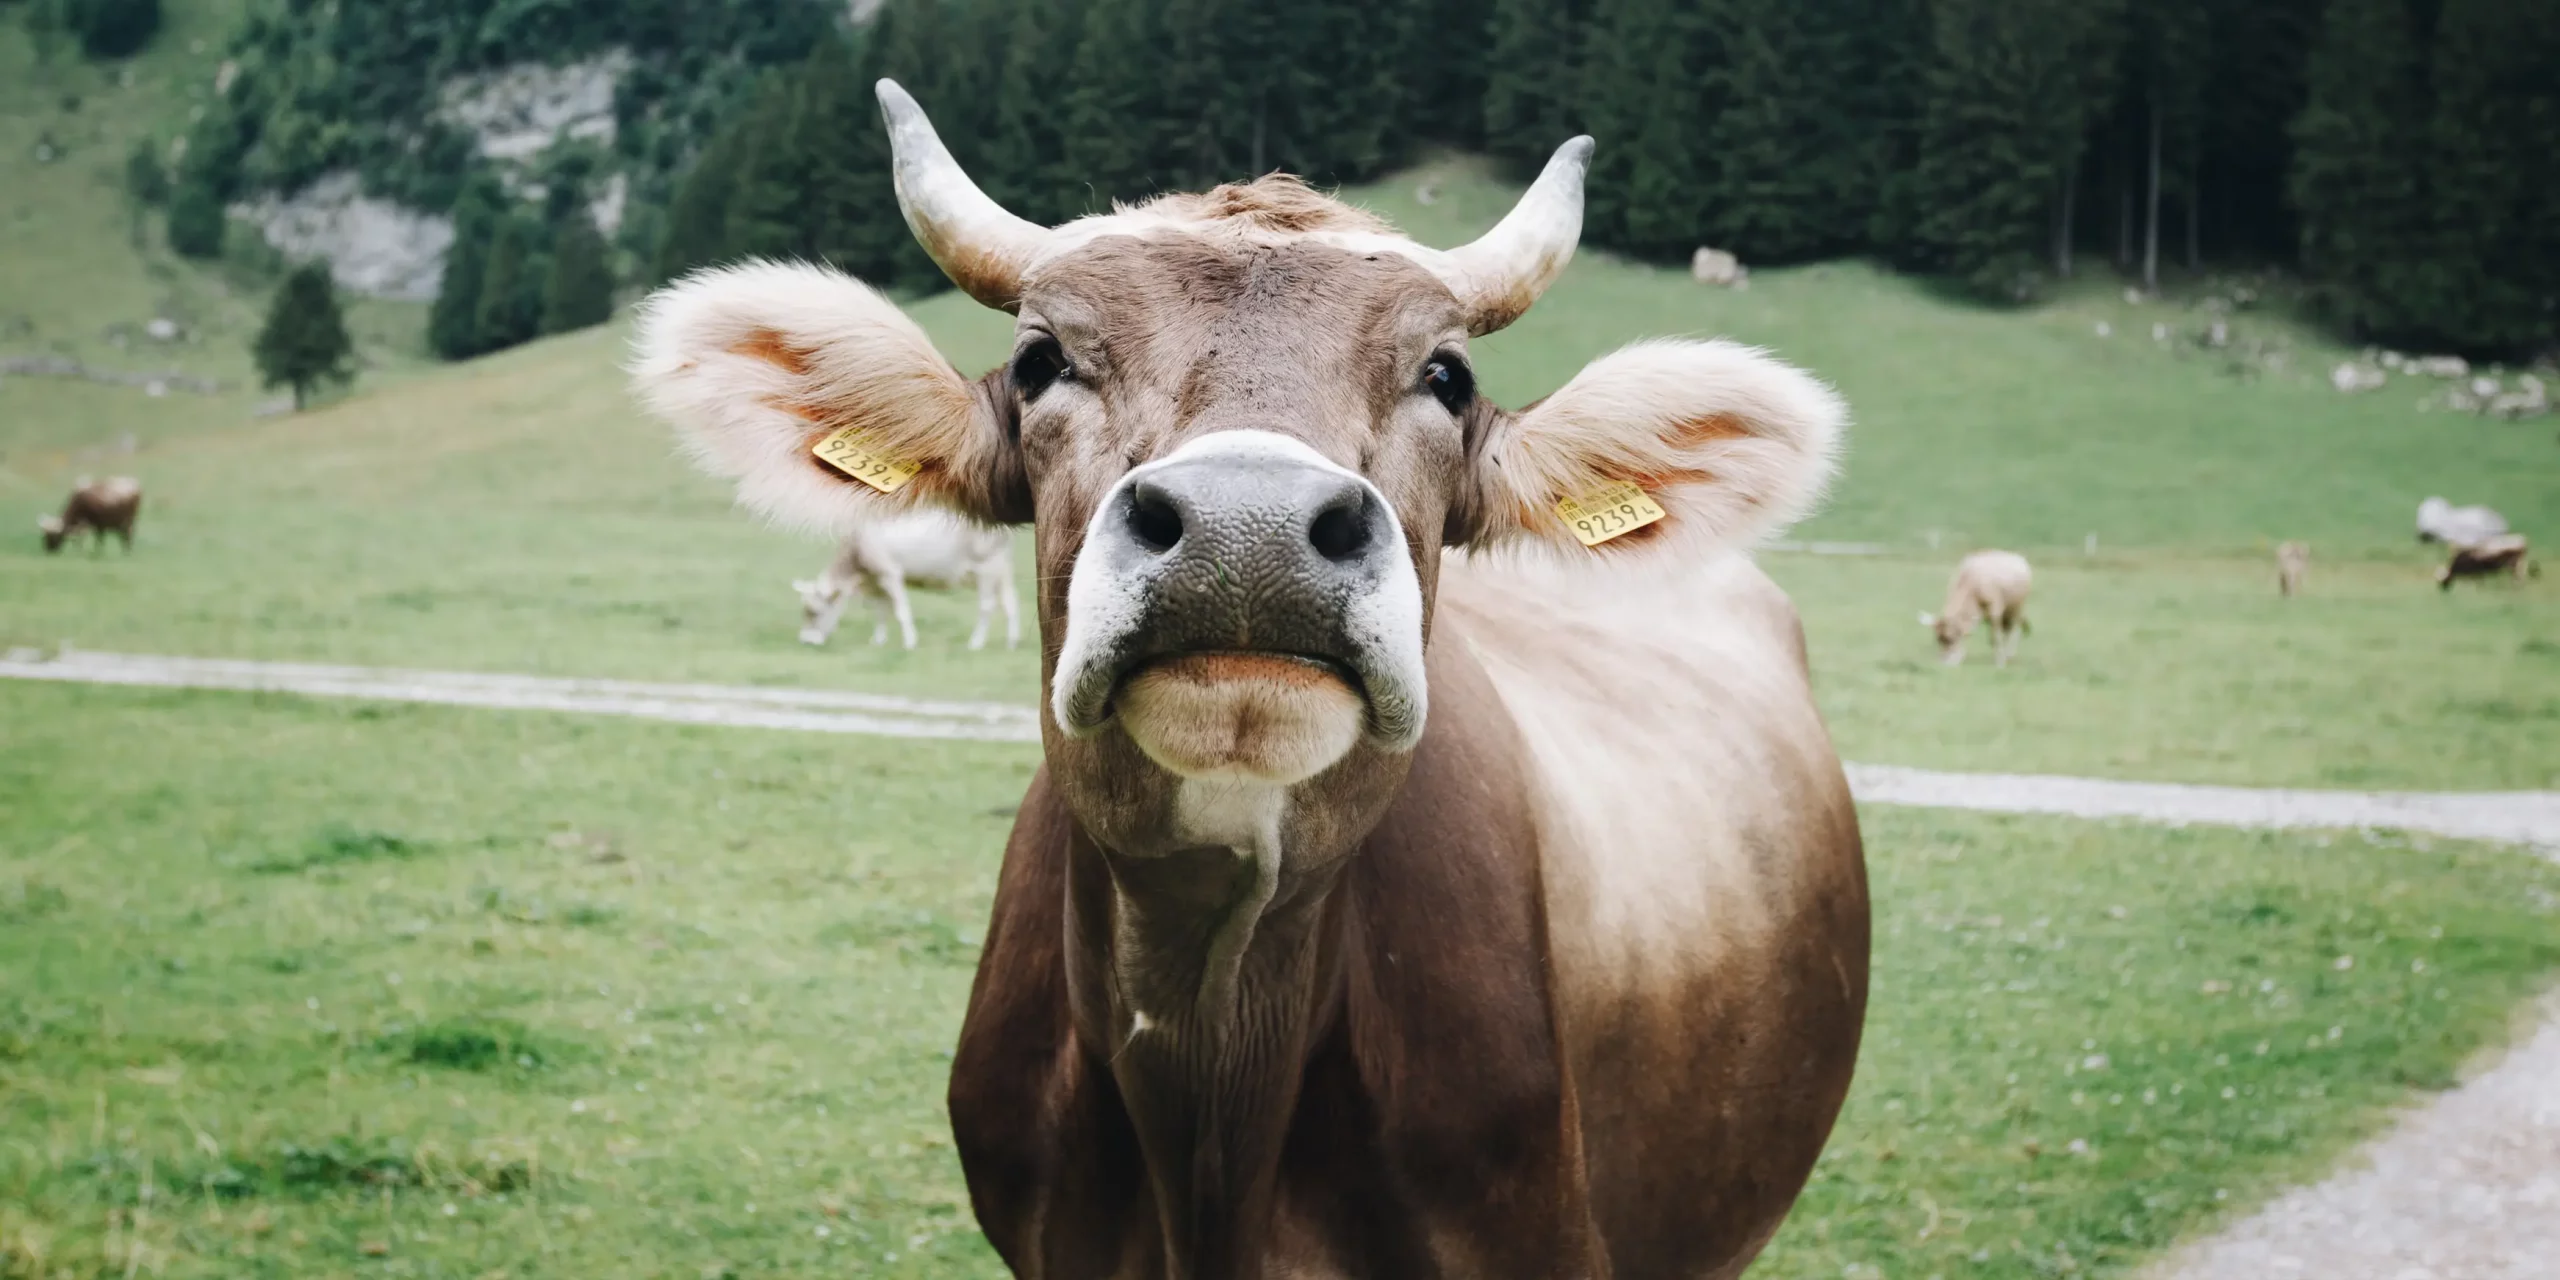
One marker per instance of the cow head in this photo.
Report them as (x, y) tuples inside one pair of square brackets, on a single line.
[(54, 531), (1244, 425)]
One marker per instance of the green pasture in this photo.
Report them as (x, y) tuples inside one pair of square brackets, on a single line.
[(297, 988), (309, 989)]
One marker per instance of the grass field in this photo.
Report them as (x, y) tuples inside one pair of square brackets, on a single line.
[(304, 989), (346, 990)]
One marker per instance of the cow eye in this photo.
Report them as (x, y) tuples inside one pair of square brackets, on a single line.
[(1039, 364), (1450, 382)]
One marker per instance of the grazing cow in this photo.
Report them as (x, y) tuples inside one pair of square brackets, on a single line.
[(2441, 521), (2293, 561), (1438, 866), (2503, 553), (880, 557), (99, 506), (1989, 586)]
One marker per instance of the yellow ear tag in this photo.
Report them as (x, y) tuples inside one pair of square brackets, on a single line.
[(850, 452), (1610, 511)]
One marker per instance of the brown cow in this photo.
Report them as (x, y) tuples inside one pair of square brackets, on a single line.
[(99, 506), (2500, 553), (1409, 889)]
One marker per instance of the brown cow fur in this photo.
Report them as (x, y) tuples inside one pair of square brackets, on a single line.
[(100, 507)]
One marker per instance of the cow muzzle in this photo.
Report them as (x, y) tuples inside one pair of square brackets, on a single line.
[(1244, 607)]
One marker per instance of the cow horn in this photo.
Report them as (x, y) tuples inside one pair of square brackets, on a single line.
[(984, 249), (1503, 271)]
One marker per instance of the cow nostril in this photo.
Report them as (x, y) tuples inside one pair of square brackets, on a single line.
[(1154, 520), (1339, 532)]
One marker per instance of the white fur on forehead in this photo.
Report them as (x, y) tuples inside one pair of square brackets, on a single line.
[(754, 363), (1734, 445)]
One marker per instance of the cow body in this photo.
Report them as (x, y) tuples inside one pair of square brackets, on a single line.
[(1524, 995), (881, 557), (1988, 587), (2293, 564), (100, 507), (1416, 882), (2500, 553)]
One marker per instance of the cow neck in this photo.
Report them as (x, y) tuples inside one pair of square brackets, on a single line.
[(1215, 965)]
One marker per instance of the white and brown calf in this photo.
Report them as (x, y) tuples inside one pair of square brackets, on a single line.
[(2293, 563), (1989, 586), (882, 556)]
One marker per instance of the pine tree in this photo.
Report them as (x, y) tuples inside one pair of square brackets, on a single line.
[(1116, 118), (304, 342), (2010, 94), (196, 219), (1643, 102), (114, 28), (1025, 142), (767, 196), (453, 323), (1438, 60), (697, 225), (2356, 172), (2493, 184), (504, 319), (1533, 55), (579, 289)]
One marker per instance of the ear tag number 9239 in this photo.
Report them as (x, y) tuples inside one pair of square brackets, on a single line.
[(850, 452), (1610, 511)]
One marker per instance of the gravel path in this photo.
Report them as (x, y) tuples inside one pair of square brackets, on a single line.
[(2505, 817), (2512, 817), (2466, 1187)]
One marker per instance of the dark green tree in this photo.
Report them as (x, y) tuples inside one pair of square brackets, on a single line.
[(1533, 51), (2494, 184), (1025, 141), (304, 342), (1644, 99), (2011, 92), (146, 179), (579, 289), (453, 323), (768, 197), (114, 28), (1117, 119), (697, 222), (511, 287), (196, 219), (2357, 177)]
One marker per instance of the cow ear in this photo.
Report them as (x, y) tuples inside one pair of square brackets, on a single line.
[(1731, 445), (756, 364)]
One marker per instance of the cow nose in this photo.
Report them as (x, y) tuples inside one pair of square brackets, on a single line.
[(1254, 514)]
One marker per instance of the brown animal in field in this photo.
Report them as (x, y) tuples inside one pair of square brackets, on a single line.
[(1989, 586), (99, 506), (2293, 563), (2504, 553), (1409, 889)]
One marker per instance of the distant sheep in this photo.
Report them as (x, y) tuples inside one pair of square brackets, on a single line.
[(99, 506), (927, 547), (2441, 521), (2293, 561), (1989, 586), (2504, 553)]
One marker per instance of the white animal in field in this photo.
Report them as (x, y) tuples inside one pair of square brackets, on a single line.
[(2441, 521), (1989, 586), (2293, 561), (926, 547)]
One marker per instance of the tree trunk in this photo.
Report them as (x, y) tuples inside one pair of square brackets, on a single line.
[(2062, 233), (2195, 213), (2124, 214), (1261, 94), (2151, 212), (300, 390)]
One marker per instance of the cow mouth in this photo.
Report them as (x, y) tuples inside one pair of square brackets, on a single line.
[(1272, 717), (1386, 711)]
